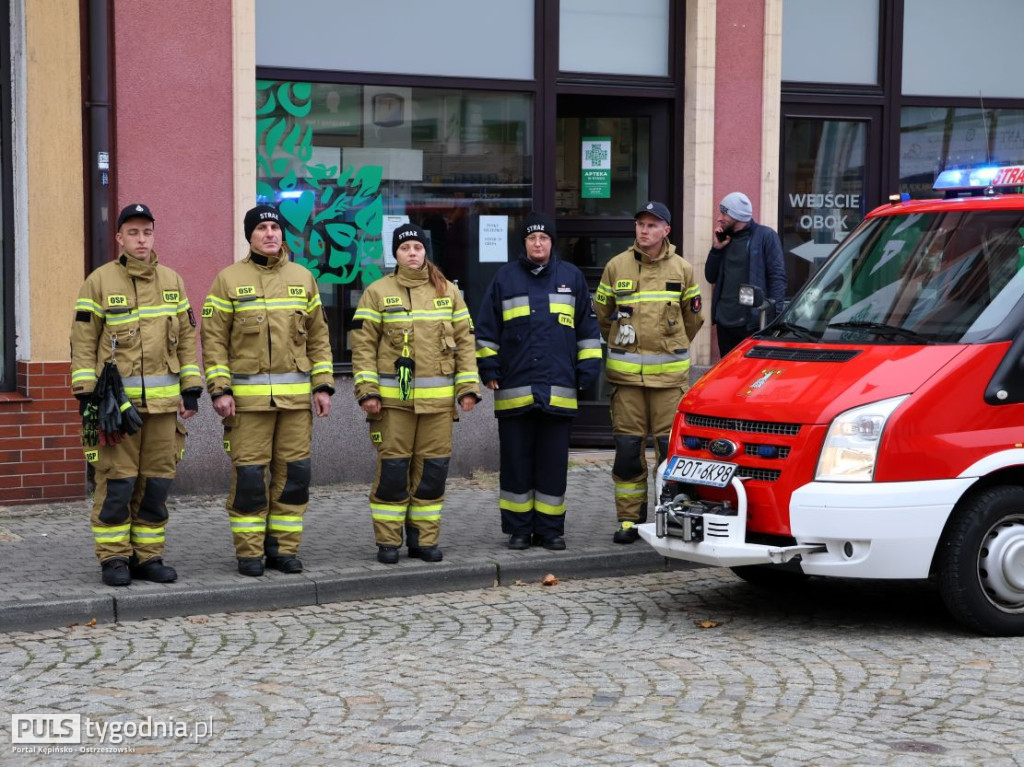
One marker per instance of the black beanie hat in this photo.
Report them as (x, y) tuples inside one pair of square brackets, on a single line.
[(538, 222), (257, 216), (407, 232)]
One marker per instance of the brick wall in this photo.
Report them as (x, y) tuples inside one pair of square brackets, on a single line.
[(40, 448)]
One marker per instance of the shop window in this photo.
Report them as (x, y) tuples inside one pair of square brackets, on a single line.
[(933, 139), (830, 41), (348, 163), (594, 35), (448, 38), (952, 48)]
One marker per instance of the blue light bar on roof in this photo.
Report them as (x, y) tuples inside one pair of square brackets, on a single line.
[(980, 178)]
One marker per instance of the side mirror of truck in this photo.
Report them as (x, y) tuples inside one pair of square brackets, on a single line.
[(751, 295)]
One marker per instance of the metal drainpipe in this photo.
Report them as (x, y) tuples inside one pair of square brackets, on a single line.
[(99, 187)]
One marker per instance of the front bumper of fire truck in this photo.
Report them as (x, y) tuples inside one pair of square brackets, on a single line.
[(854, 530)]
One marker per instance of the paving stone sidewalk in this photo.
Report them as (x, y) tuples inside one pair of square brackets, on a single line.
[(51, 577)]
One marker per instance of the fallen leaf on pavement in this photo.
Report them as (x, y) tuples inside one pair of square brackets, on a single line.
[(706, 624), (549, 580)]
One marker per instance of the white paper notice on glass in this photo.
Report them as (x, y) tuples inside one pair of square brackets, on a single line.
[(387, 231), (493, 239)]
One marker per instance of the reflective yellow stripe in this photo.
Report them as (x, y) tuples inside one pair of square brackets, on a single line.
[(504, 503), (566, 402), (113, 534), (433, 392), (248, 525), (588, 354), (154, 392), (293, 523), (484, 352), (147, 534), (256, 390), (549, 509), (630, 488), (387, 511), (518, 311), (514, 402)]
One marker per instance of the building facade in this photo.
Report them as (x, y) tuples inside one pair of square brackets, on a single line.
[(460, 116)]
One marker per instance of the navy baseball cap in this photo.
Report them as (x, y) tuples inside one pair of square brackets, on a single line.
[(655, 209)]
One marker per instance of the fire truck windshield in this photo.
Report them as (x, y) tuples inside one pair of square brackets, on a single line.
[(948, 277)]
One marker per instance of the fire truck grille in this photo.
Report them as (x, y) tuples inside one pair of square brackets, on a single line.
[(753, 449), (741, 425), (764, 475)]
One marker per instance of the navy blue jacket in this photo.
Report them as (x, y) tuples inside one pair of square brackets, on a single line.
[(767, 270), (537, 335)]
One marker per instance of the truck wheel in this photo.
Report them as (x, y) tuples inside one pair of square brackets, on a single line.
[(981, 562), (771, 576)]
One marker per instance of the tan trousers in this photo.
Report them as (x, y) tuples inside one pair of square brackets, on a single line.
[(413, 452), (133, 478), (275, 443), (637, 411)]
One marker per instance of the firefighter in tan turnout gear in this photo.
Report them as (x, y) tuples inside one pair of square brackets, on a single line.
[(413, 357), (648, 305), (134, 313), (267, 353)]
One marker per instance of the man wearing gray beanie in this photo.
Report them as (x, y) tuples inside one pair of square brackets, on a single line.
[(743, 252)]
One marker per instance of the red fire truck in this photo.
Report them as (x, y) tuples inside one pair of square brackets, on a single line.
[(875, 429)]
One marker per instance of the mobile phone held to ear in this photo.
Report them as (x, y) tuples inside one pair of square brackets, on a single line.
[(721, 236)]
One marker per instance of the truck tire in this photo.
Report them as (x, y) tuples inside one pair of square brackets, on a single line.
[(981, 562), (771, 576)]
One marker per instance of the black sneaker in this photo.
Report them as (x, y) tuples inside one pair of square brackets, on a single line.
[(152, 570), (115, 572), (627, 533), (251, 566), (287, 563), (426, 553), (387, 555)]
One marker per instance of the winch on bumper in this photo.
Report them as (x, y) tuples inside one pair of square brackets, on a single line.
[(713, 533)]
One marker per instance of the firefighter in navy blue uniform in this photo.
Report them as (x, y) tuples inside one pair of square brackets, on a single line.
[(135, 313), (648, 304), (538, 343), (412, 357), (267, 353)]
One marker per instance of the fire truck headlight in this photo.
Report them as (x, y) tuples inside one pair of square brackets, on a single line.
[(851, 445)]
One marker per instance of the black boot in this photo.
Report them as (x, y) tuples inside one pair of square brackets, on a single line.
[(152, 570), (387, 555), (286, 563), (627, 533), (428, 553), (115, 572), (519, 542), (251, 566)]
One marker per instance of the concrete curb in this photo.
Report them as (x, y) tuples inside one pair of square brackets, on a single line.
[(143, 601), (43, 614)]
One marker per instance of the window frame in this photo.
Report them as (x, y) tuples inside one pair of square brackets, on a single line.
[(8, 373)]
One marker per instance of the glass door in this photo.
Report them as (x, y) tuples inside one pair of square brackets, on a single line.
[(611, 156), (830, 177)]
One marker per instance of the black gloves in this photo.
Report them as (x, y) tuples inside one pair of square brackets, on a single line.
[(190, 398)]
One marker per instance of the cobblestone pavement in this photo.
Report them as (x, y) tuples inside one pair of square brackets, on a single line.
[(686, 668)]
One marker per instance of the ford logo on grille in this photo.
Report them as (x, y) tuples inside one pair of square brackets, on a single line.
[(722, 448)]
